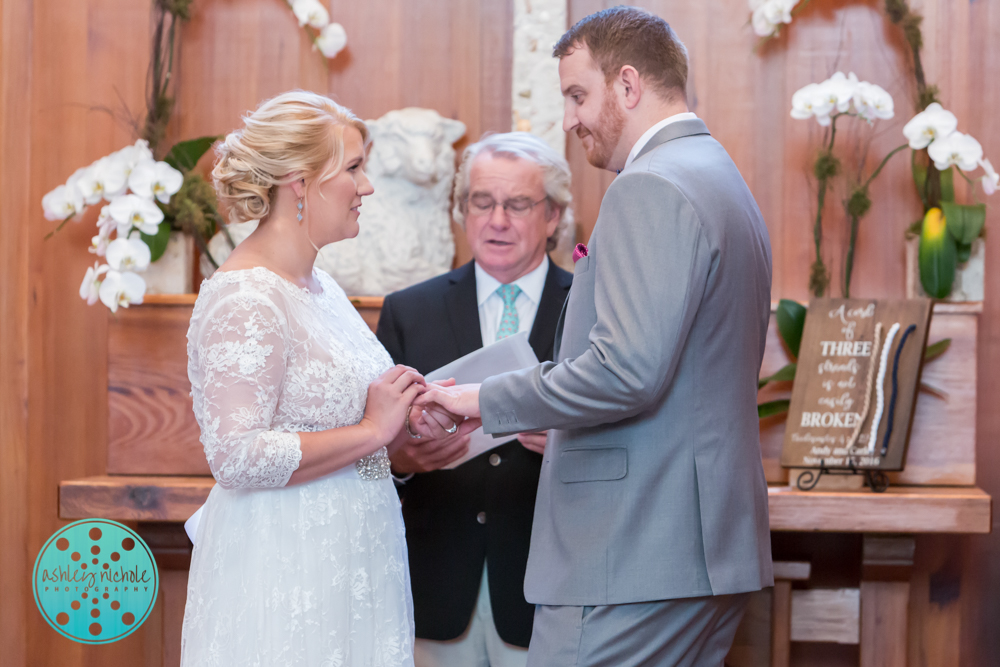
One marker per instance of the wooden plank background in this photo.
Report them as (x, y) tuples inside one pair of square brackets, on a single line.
[(59, 61)]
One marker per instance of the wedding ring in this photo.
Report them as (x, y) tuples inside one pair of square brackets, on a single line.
[(409, 431), (452, 430)]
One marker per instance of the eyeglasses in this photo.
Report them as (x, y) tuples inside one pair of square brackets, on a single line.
[(518, 207)]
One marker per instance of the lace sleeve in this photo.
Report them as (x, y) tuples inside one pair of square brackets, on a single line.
[(236, 381)]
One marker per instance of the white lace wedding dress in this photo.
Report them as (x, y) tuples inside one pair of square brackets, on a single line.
[(314, 574)]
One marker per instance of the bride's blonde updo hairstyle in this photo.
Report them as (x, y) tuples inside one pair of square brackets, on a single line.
[(291, 136)]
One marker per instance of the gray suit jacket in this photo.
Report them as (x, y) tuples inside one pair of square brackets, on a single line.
[(652, 487)]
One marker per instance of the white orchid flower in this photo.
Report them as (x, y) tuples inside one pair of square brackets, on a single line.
[(768, 15), (991, 180), (134, 155), (105, 179), (873, 102), (130, 254), (63, 202), (105, 223), (840, 90), (134, 211), (929, 125), (760, 20), (958, 149), (105, 226), (332, 39), (812, 100), (311, 13), (99, 244), (121, 289), (155, 179), (89, 288)]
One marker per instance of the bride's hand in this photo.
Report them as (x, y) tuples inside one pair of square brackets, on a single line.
[(389, 396)]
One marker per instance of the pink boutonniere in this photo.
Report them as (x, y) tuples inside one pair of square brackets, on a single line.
[(579, 252)]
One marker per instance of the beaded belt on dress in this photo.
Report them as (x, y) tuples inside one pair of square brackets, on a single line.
[(375, 466)]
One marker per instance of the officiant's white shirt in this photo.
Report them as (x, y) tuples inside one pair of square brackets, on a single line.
[(651, 132), (491, 305)]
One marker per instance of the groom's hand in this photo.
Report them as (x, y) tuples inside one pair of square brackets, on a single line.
[(462, 399)]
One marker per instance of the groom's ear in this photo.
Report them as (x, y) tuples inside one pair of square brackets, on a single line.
[(630, 85)]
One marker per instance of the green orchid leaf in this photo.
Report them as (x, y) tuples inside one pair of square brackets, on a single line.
[(185, 154), (932, 352), (937, 256), (772, 408), (157, 242), (964, 252), (786, 374), (964, 222), (791, 318)]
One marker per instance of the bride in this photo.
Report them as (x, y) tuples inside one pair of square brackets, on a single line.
[(300, 556)]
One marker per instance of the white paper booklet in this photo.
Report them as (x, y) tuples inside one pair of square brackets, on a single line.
[(510, 354)]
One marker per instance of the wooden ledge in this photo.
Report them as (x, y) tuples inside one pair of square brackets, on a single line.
[(133, 497), (901, 509)]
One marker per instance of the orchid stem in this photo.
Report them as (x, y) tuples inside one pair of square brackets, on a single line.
[(884, 161), (57, 229)]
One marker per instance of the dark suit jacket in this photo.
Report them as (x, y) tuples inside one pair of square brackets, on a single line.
[(427, 326)]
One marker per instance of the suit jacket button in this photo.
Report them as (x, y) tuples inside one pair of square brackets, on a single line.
[(481, 517), (494, 459)]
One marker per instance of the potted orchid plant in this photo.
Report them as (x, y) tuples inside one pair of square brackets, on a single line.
[(948, 229), (151, 204)]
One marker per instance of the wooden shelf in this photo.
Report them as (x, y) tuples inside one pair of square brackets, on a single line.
[(901, 509), (898, 510), (133, 497)]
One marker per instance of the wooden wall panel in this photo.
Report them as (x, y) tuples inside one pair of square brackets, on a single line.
[(978, 578), (15, 155)]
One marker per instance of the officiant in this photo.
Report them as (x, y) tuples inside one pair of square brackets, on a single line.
[(468, 529)]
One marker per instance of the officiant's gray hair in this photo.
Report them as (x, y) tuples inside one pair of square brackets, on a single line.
[(524, 146)]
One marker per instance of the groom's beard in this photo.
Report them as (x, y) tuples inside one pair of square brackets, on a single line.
[(606, 134)]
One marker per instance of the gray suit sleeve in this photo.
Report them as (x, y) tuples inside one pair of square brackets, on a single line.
[(652, 267)]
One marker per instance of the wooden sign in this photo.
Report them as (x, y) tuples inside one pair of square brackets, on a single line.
[(856, 383)]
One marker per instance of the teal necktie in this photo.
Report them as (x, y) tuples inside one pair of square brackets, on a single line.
[(509, 322)]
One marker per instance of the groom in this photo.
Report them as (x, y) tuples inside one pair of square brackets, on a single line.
[(651, 524)]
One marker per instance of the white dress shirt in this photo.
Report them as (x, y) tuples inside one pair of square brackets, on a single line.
[(526, 303), (648, 134)]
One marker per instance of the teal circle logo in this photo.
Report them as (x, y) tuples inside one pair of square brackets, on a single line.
[(95, 581)]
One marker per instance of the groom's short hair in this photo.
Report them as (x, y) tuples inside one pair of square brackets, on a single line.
[(622, 36)]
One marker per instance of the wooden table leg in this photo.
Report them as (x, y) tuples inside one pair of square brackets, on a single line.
[(781, 623), (885, 597)]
